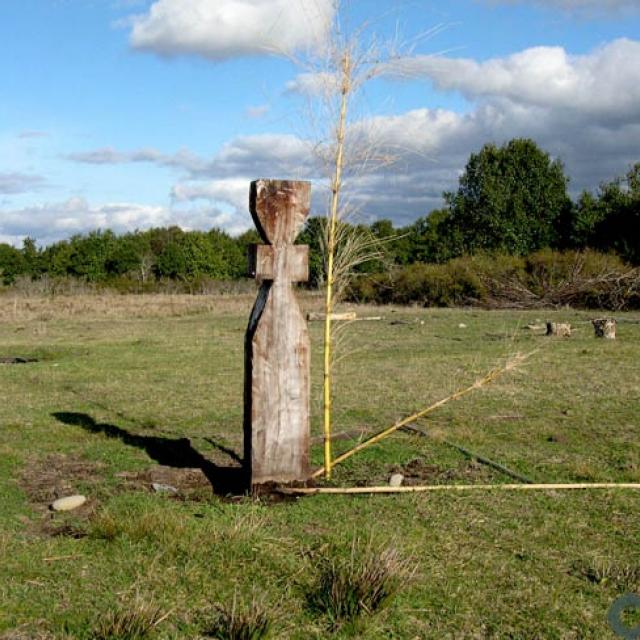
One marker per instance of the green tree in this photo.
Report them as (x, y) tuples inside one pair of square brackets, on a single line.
[(32, 257), (172, 261), (586, 215), (433, 238), (313, 234), (230, 256), (130, 254), (89, 255), (511, 198), (394, 243), (56, 259), (618, 226), (12, 263)]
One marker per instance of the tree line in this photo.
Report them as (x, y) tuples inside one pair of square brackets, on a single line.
[(511, 200)]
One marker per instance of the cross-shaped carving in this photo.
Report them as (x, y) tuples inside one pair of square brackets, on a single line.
[(276, 418)]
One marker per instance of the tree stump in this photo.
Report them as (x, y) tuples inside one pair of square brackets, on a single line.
[(605, 328), (276, 405), (560, 329)]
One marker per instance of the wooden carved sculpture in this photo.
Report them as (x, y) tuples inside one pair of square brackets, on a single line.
[(276, 404)]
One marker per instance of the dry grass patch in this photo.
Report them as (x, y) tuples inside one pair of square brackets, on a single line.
[(134, 621)]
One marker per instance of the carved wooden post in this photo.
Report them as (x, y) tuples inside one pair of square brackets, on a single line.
[(276, 403)]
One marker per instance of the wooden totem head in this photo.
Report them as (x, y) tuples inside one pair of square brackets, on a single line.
[(276, 418)]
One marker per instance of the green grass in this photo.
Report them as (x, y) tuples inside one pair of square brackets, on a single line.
[(489, 565)]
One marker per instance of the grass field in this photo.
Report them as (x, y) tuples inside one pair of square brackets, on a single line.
[(126, 387)]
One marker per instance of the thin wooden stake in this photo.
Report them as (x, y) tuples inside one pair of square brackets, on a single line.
[(490, 377), (459, 487)]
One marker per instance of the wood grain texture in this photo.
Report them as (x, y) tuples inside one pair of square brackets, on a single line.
[(262, 261), (277, 341)]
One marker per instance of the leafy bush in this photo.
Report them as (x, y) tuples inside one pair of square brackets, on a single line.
[(12, 263), (586, 279)]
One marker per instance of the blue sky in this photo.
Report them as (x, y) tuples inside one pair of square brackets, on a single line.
[(135, 113)]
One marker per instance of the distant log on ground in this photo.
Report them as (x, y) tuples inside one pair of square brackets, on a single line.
[(560, 329), (605, 328)]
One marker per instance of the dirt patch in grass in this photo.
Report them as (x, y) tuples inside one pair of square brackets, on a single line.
[(16, 360), (418, 471), (56, 476), (178, 483)]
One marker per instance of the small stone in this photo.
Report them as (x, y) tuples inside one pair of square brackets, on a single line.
[(158, 487), (68, 503), (462, 325), (396, 480)]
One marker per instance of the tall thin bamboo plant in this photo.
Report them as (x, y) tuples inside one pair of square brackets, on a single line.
[(348, 62), (336, 186)]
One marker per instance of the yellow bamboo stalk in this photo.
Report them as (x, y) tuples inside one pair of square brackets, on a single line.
[(331, 248), (460, 487), (490, 377)]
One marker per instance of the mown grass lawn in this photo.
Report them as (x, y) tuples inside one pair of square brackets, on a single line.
[(121, 382)]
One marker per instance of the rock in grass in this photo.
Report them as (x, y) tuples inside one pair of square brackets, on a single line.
[(68, 503), (396, 480), (158, 487)]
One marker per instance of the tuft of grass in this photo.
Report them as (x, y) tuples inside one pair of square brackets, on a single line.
[(154, 525), (105, 526), (137, 621), (235, 622), (360, 584), (623, 577)]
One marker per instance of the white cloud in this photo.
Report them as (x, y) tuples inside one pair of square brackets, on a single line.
[(182, 159), (258, 111), (234, 191), (32, 134), (254, 156), (55, 221), (222, 29), (106, 155), (16, 241), (584, 110), (229, 194), (264, 155), (605, 82), (433, 146), (598, 6), (11, 183), (320, 83)]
